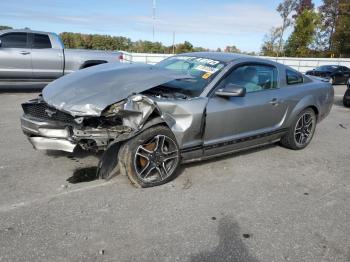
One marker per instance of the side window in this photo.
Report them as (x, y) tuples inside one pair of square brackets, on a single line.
[(14, 40), (41, 41), (254, 77), (294, 78)]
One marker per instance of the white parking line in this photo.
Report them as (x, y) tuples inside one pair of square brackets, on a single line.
[(11, 207)]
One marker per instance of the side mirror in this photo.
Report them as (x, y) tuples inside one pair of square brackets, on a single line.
[(0, 43), (231, 90)]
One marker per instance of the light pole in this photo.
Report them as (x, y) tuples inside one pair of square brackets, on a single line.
[(174, 42), (154, 17)]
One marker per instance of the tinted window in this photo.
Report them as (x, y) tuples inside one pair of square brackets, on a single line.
[(41, 41), (252, 77), (14, 40), (345, 69), (327, 68), (294, 78)]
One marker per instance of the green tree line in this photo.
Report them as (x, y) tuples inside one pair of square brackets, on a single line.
[(315, 33), (107, 42)]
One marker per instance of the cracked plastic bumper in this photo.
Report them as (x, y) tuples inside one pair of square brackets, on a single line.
[(45, 135)]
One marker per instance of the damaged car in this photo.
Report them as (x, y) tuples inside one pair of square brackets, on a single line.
[(148, 119)]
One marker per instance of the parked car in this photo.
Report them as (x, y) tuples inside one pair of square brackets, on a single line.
[(346, 98), (334, 73), (40, 56), (188, 107)]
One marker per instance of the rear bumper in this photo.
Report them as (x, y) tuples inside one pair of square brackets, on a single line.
[(45, 135)]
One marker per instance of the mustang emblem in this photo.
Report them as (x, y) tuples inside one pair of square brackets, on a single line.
[(49, 112)]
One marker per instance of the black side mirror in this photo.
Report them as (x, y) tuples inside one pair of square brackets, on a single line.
[(231, 90)]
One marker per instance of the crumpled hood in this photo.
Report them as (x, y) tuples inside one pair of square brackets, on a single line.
[(89, 91)]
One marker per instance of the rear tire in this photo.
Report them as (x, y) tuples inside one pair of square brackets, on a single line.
[(301, 131), (150, 158), (346, 98)]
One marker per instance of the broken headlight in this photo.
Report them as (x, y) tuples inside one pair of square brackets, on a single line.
[(114, 108)]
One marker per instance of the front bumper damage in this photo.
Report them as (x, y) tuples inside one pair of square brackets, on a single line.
[(50, 129), (45, 135)]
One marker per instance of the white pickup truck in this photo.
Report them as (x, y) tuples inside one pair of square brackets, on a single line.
[(33, 56)]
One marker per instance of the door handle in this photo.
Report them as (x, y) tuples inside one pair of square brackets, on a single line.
[(275, 102), (24, 53)]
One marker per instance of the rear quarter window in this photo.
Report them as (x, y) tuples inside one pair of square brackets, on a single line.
[(41, 41), (294, 78)]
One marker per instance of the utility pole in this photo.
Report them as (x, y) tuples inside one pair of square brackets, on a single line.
[(154, 17), (174, 42)]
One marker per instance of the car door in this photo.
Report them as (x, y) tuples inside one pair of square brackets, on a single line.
[(47, 59), (15, 56), (259, 113)]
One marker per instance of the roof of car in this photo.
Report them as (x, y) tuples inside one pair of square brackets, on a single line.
[(22, 31), (220, 56)]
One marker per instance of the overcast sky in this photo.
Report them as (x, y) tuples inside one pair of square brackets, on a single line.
[(206, 23)]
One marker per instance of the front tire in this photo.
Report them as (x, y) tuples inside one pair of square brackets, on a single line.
[(150, 158), (300, 133), (346, 98)]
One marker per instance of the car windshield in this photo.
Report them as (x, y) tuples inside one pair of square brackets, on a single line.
[(327, 68), (201, 70)]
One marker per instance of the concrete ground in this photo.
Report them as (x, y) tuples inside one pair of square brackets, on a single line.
[(268, 204)]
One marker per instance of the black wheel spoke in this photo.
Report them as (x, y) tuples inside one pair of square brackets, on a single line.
[(143, 155), (303, 140), (147, 170), (161, 140), (162, 172), (300, 139), (164, 169), (308, 121), (170, 156)]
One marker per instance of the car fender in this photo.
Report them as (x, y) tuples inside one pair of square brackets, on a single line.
[(305, 102)]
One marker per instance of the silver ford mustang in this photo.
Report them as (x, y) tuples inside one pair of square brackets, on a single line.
[(194, 106)]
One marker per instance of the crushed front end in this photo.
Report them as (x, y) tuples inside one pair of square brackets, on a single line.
[(50, 129)]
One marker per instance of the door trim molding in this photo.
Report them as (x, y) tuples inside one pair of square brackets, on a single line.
[(234, 141)]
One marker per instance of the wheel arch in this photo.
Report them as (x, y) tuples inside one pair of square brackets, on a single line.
[(306, 102), (109, 159), (90, 63)]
